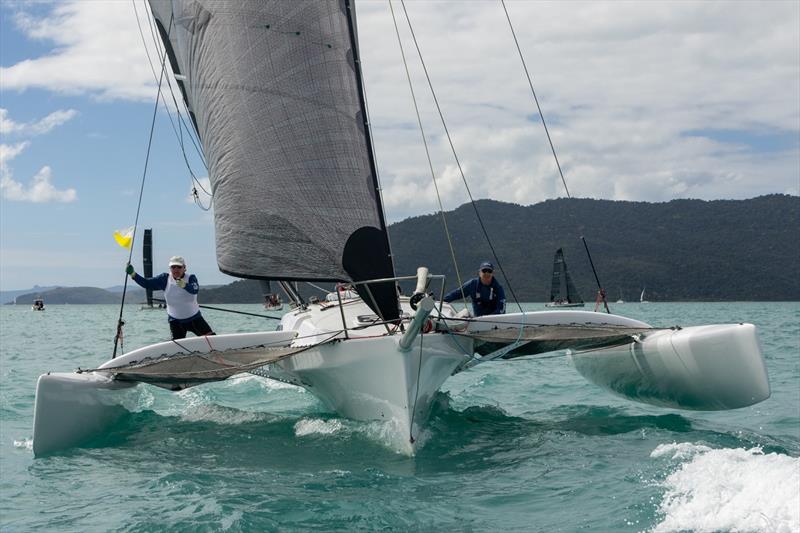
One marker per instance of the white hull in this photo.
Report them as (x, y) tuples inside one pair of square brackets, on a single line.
[(372, 379), (367, 376), (363, 373), (552, 318), (72, 408), (707, 368)]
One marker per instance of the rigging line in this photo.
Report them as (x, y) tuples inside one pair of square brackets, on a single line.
[(530, 83), (228, 310), (458, 162), (191, 131), (596, 278), (428, 154), (181, 123), (416, 392), (326, 291), (178, 130), (120, 323), (550, 140)]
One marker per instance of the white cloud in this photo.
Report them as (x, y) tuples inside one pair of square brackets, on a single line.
[(40, 189), (98, 51), (644, 101), (635, 94), (9, 152), (53, 120)]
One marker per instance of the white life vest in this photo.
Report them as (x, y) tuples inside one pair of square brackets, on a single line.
[(180, 303)]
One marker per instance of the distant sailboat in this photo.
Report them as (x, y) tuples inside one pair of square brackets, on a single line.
[(38, 305), (641, 298), (562, 291), (272, 300)]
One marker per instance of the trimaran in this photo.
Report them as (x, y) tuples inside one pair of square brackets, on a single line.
[(275, 93)]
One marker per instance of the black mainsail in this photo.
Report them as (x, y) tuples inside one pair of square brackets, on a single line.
[(275, 93), (562, 289)]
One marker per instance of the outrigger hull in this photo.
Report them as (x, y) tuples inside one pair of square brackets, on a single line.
[(708, 368), (72, 408)]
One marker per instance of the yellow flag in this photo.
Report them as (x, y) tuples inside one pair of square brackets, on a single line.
[(124, 237)]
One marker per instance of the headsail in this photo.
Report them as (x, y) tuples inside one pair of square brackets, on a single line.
[(275, 93)]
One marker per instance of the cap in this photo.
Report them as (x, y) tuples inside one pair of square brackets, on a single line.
[(487, 264), (177, 260)]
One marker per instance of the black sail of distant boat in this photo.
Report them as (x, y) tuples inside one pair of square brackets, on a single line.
[(562, 290), (275, 93), (147, 261)]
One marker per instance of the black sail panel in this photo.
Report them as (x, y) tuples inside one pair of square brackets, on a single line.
[(555, 286), (147, 261), (562, 288), (275, 92)]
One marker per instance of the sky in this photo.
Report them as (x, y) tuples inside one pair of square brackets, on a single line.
[(645, 101)]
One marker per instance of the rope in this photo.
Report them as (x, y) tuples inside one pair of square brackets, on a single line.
[(428, 154), (228, 310), (416, 392), (458, 162), (602, 292), (120, 323), (181, 122)]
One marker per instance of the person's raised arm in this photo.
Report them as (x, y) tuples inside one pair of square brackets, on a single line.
[(457, 294)]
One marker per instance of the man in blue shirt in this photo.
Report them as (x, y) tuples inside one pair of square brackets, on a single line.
[(486, 293), (180, 293)]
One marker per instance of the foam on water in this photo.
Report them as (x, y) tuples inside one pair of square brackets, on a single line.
[(269, 384), (26, 444), (221, 415), (729, 490), (316, 426)]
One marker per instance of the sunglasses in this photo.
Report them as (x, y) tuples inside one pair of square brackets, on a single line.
[(487, 271), (177, 266)]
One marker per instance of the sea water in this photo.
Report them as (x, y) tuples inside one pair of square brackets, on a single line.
[(524, 445)]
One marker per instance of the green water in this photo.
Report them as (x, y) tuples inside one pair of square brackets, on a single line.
[(525, 445)]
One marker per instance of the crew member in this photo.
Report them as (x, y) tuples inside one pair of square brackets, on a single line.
[(180, 292), (486, 293)]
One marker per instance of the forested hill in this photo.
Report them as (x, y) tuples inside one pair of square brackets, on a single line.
[(679, 250)]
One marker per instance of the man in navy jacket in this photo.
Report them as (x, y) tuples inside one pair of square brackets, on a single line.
[(486, 293), (180, 293)]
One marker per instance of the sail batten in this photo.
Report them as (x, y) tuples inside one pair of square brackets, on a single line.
[(276, 95)]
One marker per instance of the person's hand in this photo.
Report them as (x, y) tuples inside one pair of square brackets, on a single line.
[(129, 270), (181, 283)]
